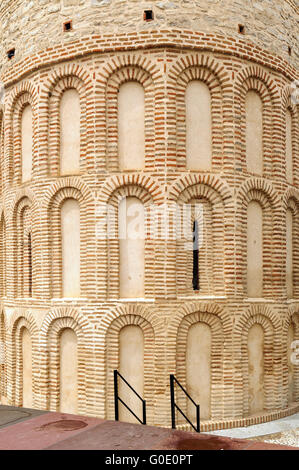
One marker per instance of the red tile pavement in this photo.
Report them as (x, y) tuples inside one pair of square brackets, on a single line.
[(124, 436), (42, 431), (59, 431)]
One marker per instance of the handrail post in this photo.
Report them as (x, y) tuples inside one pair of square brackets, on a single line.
[(144, 411), (118, 399), (172, 401), (116, 396), (198, 418), (174, 405)]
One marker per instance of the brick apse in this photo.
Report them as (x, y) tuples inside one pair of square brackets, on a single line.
[(111, 108)]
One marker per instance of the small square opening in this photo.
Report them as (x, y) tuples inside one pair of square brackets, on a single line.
[(241, 28), (11, 53), (67, 26), (148, 15)]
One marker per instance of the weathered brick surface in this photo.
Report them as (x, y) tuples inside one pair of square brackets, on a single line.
[(164, 55)]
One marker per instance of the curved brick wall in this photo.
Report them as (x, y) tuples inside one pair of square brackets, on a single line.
[(96, 62), (33, 26)]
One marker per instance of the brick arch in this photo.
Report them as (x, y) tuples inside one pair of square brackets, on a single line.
[(254, 78), (286, 95), (288, 105), (111, 243), (193, 182), (18, 91), (3, 253), (115, 71), (114, 82), (293, 205), (53, 215), (146, 183), (291, 194), (23, 95), (205, 74), (2, 150), (113, 359), (23, 254), (262, 192), (216, 75), (216, 206), (211, 218), (54, 122), (271, 324), (291, 201), (3, 347), (68, 182), (62, 189), (52, 327), (200, 61), (64, 78), (25, 199), (260, 74), (185, 315), (20, 194), (215, 324), (184, 311), (261, 185), (119, 62), (129, 309), (197, 191), (67, 70), (20, 321), (130, 190), (292, 316)]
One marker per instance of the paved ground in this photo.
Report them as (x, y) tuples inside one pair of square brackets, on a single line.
[(281, 431), (279, 425), (23, 429)]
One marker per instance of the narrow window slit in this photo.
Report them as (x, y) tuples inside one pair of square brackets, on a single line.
[(29, 265), (195, 280)]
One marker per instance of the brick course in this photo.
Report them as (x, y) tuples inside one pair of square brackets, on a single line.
[(163, 60)]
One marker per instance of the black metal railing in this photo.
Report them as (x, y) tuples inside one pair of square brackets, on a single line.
[(174, 405), (117, 399)]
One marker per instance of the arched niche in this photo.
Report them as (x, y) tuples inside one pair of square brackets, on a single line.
[(70, 116), (198, 126), (254, 250), (289, 147), (289, 253), (27, 382), (198, 369), (70, 240), (68, 354), (2, 257), (205, 245), (256, 372), (27, 143), (131, 248), (131, 126), (254, 132), (131, 366), (291, 368), (2, 359)]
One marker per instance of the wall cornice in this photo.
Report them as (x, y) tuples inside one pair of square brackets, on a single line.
[(170, 38)]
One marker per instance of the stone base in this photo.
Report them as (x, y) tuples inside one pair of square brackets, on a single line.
[(239, 422)]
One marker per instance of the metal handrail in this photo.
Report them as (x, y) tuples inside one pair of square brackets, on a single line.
[(117, 399), (174, 406)]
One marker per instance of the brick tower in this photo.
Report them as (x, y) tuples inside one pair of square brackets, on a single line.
[(160, 118)]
